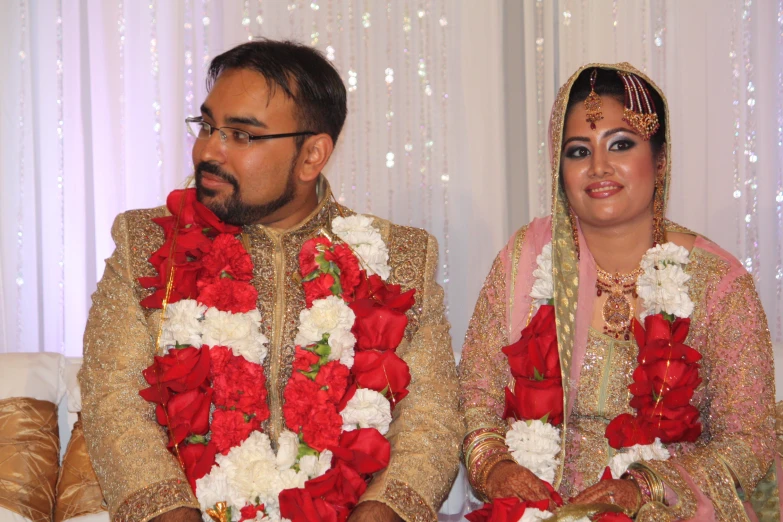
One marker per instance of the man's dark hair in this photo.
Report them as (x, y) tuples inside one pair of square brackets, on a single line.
[(608, 83), (301, 71)]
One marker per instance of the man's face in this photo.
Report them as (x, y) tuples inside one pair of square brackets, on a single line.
[(254, 184)]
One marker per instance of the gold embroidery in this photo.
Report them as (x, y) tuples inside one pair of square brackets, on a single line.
[(155, 499)]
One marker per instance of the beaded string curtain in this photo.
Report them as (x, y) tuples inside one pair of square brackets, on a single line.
[(720, 64), (93, 111)]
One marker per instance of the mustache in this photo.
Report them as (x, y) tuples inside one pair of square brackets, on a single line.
[(213, 169)]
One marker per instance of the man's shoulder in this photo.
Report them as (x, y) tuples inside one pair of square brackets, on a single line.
[(412, 252)]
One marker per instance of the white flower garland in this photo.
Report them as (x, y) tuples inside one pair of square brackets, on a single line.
[(251, 470), (663, 289)]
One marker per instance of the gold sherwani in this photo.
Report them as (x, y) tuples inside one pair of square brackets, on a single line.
[(141, 479)]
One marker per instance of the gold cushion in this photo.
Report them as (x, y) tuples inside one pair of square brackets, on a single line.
[(78, 492), (29, 457)]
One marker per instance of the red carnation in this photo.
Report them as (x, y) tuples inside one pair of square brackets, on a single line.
[(383, 372), (333, 379), (183, 285), (242, 386), (310, 250), (318, 288), (346, 261), (249, 512), (231, 428), (220, 356), (322, 426), (304, 360), (301, 396), (229, 296), (228, 258)]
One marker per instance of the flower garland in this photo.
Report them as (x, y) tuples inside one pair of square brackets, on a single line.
[(210, 390), (664, 381)]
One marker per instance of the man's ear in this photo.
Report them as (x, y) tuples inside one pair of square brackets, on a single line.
[(316, 151)]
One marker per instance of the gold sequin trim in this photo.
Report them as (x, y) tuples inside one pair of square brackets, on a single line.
[(686, 499), (407, 503), (153, 500), (715, 481)]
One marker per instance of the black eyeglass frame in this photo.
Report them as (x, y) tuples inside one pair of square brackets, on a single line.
[(250, 137)]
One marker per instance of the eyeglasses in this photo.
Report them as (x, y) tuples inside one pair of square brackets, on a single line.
[(233, 138)]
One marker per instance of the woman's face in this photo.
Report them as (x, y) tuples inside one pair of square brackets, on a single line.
[(608, 172)]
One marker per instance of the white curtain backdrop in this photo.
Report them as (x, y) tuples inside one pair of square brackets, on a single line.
[(449, 103), (93, 102), (720, 63)]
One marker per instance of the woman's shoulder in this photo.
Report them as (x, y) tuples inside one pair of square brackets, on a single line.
[(709, 262), (536, 233)]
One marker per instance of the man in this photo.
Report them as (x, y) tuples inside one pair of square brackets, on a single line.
[(271, 186)]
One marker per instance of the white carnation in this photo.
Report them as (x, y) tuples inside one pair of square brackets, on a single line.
[(240, 332), (534, 445), (316, 466), (532, 514), (365, 241), (543, 288), (341, 343), (212, 488), (367, 409), (620, 462), (663, 285), (287, 449), (329, 315), (251, 469), (183, 324)]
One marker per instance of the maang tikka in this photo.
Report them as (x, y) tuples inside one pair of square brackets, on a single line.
[(639, 110), (593, 102)]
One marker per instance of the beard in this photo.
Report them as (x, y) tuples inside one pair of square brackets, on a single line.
[(233, 210)]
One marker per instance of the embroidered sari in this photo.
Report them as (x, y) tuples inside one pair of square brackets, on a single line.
[(731, 472)]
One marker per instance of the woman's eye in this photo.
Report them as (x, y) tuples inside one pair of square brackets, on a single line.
[(622, 145), (577, 152)]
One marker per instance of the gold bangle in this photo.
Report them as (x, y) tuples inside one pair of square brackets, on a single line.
[(657, 489), (477, 464), (475, 436), (480, 442), (482, 450), (481, 484)]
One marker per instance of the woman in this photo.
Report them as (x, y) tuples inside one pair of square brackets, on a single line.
[(610, 151)]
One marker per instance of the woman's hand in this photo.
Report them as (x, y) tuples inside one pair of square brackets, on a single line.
[(509, 479), (622, 493)]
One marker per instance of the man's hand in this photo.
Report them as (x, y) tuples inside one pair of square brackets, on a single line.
[(183, 514), (373, 511), (623, 493), (509, 479)]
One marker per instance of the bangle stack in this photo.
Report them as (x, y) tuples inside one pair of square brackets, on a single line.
[(482, 449), (650, 485)]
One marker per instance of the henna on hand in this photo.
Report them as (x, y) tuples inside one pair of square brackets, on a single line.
[(509, 479)]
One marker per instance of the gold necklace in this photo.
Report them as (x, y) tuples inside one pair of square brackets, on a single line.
[(618, 308)]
